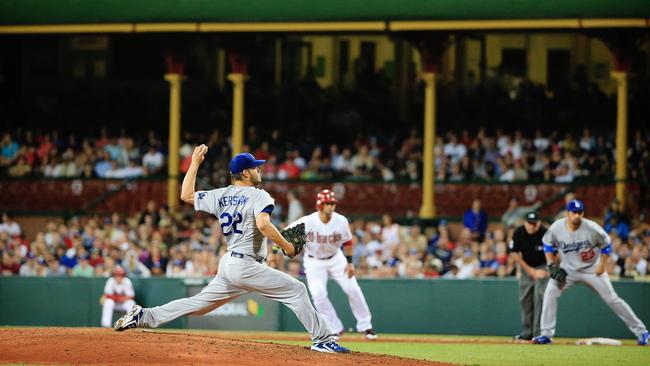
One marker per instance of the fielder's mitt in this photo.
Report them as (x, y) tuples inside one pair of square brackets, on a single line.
[(297, 237), (556, 273)]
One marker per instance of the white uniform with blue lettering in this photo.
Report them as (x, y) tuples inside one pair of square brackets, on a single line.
[(579, 252), (242, 269), (323, 258)]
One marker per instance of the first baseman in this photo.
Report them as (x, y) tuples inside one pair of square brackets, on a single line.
[(576, 251), (328, 231), (244, 213)]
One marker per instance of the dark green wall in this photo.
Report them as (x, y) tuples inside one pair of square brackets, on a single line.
[(480, 307), (74, 301)]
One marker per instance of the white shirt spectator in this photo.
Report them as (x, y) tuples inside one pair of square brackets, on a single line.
[(507, 176), (295, 211), (466, 267), (11, 228), (455, 151), (390, 239), (541, 143), (153, 161)]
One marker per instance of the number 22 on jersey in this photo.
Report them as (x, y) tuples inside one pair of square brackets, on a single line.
[(227, 220)]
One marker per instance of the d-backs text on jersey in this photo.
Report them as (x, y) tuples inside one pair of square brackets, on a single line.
[(324, 239)]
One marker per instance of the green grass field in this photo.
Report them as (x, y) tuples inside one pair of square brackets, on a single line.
[(471, 351)]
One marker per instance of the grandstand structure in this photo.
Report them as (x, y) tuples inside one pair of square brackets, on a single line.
[(438, 39)]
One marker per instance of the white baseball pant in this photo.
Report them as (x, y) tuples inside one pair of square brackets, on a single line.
[(238, 276), (602, 286), (109, 306), (317, 272)]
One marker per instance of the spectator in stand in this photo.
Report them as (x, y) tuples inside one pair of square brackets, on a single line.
[(103, 165), (515, 214), (288, 169), (362, 162), (9, 150), (415, 241), (488, 265), (617, 221), (83, 268), (295, 210), (343, 164), (454, 150), (476, 220), (9, 226), (389, 235), (467, 264), (153, 160)]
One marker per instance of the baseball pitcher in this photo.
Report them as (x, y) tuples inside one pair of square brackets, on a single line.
[(576, 251), (244, 213), (327, 231)]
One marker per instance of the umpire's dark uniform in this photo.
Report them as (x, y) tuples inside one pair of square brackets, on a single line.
[(528, 252)]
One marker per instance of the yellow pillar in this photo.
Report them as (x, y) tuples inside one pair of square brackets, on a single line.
[(621, 136), (174, 138), (428, 209), (237, 112)]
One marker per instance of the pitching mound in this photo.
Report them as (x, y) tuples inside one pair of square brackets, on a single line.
[(107, 347)]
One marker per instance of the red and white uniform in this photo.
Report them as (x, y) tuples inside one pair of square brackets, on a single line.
[(112, 287), (323, 258)]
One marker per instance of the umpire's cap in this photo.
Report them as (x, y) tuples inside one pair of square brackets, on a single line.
[(532, 217)]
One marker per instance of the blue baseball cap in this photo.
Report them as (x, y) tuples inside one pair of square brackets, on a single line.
[(575, 206), (244, 161)]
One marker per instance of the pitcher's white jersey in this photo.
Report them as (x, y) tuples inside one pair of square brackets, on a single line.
[(324, 239), (579, 250), (237, 208)]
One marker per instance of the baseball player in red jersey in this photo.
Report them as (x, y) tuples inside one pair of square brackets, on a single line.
[(118, 296), (328, 231)]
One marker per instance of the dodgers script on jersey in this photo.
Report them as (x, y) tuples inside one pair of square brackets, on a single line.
[(237, 208), (324, 239), (579, 250)]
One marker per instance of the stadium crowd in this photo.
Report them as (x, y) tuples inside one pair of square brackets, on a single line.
[(156, 243), (553, 157)]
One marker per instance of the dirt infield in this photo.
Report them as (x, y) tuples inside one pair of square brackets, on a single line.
[(107, 347)]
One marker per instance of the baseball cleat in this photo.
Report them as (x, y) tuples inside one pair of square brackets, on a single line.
[(542, 340), (642, 340), (329, 347), (370, 334), (129, 320), (521, 338)]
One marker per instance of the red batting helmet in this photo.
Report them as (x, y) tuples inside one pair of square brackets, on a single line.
[(118, 271), (325, 196)]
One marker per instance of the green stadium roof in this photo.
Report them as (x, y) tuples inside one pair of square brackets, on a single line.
[(626, 13)]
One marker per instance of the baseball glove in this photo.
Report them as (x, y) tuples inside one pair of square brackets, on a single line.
[(557, 273), (297, 237)]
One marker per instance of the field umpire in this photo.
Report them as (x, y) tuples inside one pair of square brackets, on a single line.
[(526, 249)]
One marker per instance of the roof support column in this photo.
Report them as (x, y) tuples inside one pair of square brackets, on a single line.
[(239, 67), (432, 48), (174, 76), (623, 48)]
